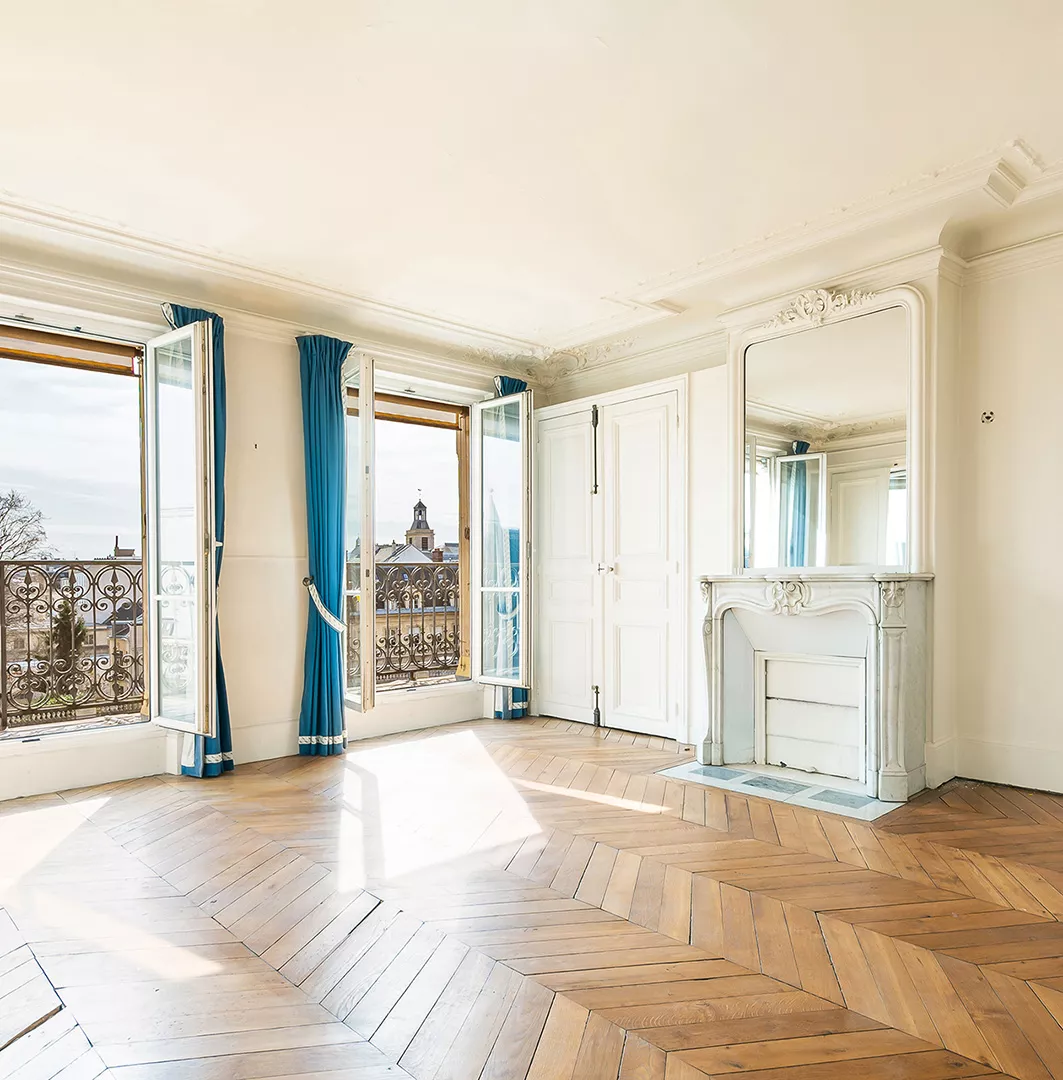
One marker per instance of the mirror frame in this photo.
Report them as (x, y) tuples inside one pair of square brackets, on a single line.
[(806, 311)]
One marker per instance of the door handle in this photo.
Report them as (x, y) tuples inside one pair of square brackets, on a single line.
[(606, 569)]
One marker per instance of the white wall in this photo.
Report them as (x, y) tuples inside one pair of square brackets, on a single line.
[(261, 602), (80, 759), (1010, 608)]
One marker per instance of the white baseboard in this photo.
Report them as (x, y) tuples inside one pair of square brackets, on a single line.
[(396, 711), (411, 710), (1038, 767), (81, 759), (940, 762)]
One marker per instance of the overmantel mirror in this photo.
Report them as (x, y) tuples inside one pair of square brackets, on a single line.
[(828, 460)]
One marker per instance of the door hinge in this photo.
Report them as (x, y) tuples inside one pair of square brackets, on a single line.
[(594, 449)]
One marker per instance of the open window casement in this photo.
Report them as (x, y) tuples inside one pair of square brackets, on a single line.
[(179, 616), (501, 554), (360, 569), (800, 485)]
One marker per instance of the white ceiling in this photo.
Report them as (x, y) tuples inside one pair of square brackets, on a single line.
[(516, 167), (839, 374)]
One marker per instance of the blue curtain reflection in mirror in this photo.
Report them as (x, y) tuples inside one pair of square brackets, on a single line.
[(793, 483)]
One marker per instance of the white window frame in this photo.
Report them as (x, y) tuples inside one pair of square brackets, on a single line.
[(477, 518), (205, 644)]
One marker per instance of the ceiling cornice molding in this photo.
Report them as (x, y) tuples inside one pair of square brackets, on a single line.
[(708, 346), (995, 179), (848, 289), (1015, 259), (393, 319), (794, 423), (994, 173), (702, 350), (71, 298)]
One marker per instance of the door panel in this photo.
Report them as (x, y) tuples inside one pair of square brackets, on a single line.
[(568, 584), (180, 586), (640, 572), (858, 501)]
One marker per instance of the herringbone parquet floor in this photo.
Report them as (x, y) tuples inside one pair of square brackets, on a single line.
[(523, 899)]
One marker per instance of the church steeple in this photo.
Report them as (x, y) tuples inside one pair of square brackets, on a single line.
[(420, 534)]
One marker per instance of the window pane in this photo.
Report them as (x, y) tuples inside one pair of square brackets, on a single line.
[(501, 634), (897, 518), (503, 496), (177, 479)]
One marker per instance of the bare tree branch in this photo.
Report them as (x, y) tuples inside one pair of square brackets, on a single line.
[(22, 531)]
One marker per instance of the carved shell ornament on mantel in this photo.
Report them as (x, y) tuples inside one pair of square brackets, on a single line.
[(816, 306), (893, 594), (788, 597)]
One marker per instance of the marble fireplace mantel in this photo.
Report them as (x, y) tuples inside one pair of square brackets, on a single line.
[(895, 608)]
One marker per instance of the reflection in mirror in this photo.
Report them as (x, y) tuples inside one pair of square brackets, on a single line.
[(826, 414)]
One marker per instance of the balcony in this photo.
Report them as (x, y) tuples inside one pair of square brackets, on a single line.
[(418, 623), (71, 641)]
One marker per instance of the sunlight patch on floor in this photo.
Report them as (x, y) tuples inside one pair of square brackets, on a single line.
[(412, 815), (73, 921), (27, 839), (593, 796)]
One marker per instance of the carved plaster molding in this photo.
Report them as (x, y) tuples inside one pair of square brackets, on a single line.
[(549, 368), (515, 364), (787, 597), (892, 594), (565, 363), (767, 419), (816, 306)]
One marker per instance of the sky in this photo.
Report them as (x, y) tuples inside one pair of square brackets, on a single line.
[(409, 458), (70, 441)]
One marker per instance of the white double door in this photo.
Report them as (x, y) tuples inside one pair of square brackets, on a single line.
[(609, 513)]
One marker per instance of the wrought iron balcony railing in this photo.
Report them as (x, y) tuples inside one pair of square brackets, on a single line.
[(72, 634), (417, 625), (71, 640)]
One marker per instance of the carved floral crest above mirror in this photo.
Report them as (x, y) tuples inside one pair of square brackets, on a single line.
[(816, 305)]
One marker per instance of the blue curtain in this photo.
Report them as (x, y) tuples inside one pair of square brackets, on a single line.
[(796, 553), (213, 756), (321, 719), (505, 385), (511, 703)]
